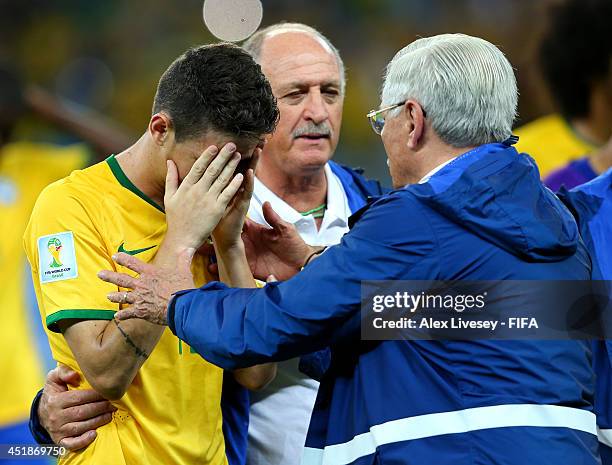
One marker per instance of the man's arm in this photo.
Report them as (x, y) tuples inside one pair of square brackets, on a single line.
[(234, 328), (110, 353), (234, 269), (40, 434), (320, 305), (102, 134)]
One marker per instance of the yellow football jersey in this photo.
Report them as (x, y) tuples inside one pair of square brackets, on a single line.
[(171, 413), (551, 141), (25, 169)]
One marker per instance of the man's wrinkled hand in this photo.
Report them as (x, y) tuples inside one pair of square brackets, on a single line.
[(71, 416), (151, 290), (278, 251)]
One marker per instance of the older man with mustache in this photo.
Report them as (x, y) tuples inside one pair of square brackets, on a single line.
[(297, 179)]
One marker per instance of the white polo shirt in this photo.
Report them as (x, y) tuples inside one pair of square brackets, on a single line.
[(280, 413)]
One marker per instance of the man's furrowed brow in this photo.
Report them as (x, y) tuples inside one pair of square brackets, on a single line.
[(305, 85)]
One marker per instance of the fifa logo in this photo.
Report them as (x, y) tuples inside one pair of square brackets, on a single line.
[(54, 245), (57, 257)]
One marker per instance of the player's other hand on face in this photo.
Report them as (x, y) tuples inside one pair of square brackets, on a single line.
[(194, 208), (151, 290), (227, 234), (71, 416)]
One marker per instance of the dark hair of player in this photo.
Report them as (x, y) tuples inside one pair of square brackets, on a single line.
[(216, 88), (576, 52), (12, 105)]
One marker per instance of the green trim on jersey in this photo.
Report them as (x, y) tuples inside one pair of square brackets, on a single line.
[(125, 182), (77, 314)]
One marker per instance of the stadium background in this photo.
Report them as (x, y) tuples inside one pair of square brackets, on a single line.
[(109, 55)]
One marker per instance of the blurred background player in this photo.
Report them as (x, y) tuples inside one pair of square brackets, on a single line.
[(578, 172), (26, 167), (576, 61)]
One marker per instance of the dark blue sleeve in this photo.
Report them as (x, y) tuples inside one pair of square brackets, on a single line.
[(235, 328), (39, 434), (315, 364), (235, 404)]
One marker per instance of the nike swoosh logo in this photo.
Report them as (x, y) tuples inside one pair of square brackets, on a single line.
[(133, 252)]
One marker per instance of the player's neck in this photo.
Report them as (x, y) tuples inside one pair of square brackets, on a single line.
[(142, 170)]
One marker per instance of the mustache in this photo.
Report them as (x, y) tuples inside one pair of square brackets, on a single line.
[(313, 128)]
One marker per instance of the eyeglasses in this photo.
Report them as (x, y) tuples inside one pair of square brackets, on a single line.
[(376, 118)]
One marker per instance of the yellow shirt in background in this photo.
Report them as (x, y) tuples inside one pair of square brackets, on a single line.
[(551, 142), (25, 169), (171, 412)]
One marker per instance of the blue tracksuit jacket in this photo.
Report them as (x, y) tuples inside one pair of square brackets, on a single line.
[(591, 204), (484, 216)]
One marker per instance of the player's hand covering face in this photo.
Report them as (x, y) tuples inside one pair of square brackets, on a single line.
[(227, 233), (194, 208), (151, 290)]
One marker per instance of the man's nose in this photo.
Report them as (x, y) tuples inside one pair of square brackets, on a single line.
[(316, 108)]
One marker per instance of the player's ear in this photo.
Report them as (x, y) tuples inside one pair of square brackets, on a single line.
[(161, 129)]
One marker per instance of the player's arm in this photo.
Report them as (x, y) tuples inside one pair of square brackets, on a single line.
[(65, 243), (110, 353), (104, 135), (234, 271), (234, 268)]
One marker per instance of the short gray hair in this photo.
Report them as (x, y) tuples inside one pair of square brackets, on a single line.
[(465, 84), (254, 43)]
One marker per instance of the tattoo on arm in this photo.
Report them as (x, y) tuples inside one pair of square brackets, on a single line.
[(137, 350)]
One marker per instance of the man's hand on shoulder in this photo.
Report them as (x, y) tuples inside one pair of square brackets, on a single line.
[(152, 289)]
